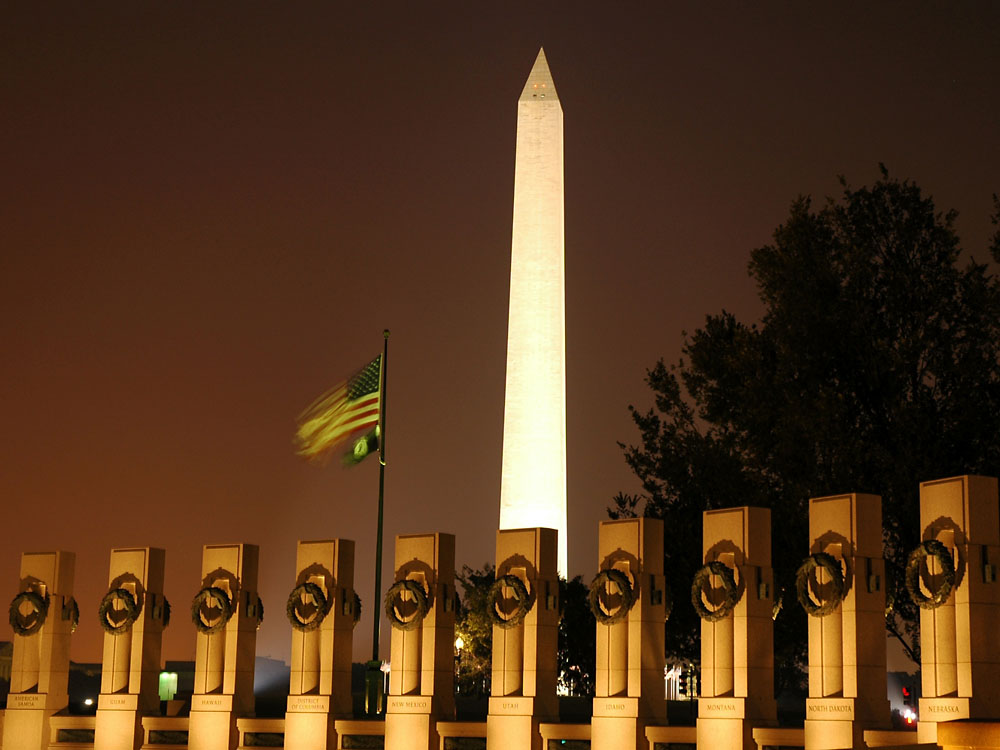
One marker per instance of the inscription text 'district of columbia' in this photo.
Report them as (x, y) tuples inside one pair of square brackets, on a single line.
[(308, 704)]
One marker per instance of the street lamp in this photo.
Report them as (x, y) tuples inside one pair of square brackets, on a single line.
[(459, 645)]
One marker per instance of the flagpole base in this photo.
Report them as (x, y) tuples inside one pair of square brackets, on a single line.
[(374, 689)]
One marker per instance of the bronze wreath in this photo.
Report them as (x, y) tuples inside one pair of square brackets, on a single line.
[(930, 548), (832, 567), (72, 609), (220, 597), (132, 610), (319, 599), (356, 615), (166, 611), (701, 577), (38, 603), (524, 602), (616, 578), (415, 590)]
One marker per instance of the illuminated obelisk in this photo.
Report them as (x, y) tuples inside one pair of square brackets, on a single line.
[(533, 477)]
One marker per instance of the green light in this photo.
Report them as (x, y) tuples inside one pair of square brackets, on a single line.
[(168, 685)]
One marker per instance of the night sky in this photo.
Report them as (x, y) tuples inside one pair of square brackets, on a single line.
[(210, 211)]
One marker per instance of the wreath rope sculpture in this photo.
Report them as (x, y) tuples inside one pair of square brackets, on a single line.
[(930, 548), (106, 607), (166, 611), (314, 592), (597, 587), (356, 615), (72, 609), (419, 596), (521, 594), (38, 603), (802, 575), (220, 598), (701, 577)]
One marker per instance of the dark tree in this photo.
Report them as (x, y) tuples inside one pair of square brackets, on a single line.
[(875, 367), (577, 638), (475, 630)]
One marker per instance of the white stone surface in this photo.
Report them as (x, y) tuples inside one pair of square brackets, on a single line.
[(533, 477)]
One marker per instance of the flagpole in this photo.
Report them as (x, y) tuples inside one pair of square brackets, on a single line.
[(375, 681), (381, 491)]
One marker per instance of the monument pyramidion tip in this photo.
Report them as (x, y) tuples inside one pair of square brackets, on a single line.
[(539, 84)]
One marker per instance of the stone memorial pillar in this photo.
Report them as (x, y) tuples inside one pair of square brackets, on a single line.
[(734, 594), (226, 613), (628, 596), (524, 606), (841, 585), (952, 575), (133, 614), (420, 607), (323, 612), (43, 616)]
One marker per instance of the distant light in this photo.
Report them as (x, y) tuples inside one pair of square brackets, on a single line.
[(88, 702), (459, 643), (167, 686)]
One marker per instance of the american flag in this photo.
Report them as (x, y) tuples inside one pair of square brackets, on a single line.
[(344, 410)]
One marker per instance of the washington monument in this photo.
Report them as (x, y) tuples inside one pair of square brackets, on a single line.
[(533, 477)]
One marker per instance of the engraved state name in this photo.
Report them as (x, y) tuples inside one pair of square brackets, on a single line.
[(720, 706), (941, 709), (831, 709), (511, 706)]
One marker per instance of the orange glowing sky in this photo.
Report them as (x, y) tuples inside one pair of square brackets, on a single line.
[(210, 211)]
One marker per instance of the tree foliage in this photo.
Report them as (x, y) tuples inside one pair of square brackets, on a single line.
[(577, 638), (475, 630), (874, 367)]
